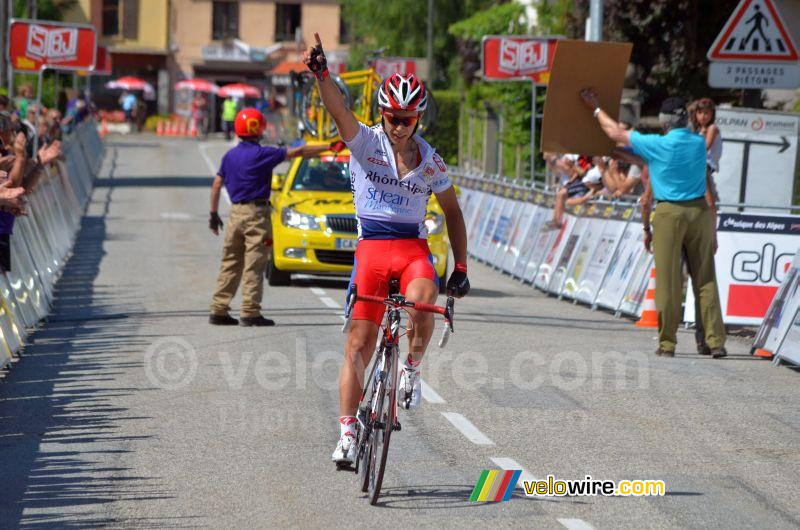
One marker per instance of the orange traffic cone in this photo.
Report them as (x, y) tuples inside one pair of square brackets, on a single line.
[(183, 129), (649, 317), (762, 353), (160, 128), (170, 128), (193, 129)]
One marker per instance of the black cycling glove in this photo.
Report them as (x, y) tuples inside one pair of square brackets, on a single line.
[(214, 221), (458, 284), (318, 63)]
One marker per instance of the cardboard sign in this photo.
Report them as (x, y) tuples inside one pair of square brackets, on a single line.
[(515, 58), (568, 126), (33, 44)]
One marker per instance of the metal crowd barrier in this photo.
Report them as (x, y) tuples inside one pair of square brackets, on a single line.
[(597, 257), (42, 241)]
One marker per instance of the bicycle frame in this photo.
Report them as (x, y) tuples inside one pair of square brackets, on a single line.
[(375, 422)]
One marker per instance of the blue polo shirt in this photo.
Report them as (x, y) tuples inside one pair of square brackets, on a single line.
[(676, 161), (246, 171)]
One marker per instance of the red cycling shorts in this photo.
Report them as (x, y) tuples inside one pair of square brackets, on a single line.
[(378, 261)]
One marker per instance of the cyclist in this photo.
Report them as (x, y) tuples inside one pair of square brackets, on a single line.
[(393, 171)]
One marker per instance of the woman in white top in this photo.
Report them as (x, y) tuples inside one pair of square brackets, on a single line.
[(702, 113)]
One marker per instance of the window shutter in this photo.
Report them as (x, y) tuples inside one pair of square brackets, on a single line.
[(130, 19)]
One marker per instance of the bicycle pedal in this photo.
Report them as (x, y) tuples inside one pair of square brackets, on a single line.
[(397, 426)]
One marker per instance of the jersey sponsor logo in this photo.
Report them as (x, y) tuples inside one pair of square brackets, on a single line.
[(429, 171), (393, 203), (378, 161), (439, 162), (409, 185)]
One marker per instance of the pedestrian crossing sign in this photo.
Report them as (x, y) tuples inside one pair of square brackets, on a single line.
[(755, 32)]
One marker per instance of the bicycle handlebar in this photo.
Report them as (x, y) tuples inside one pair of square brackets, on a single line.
[(447, 311)]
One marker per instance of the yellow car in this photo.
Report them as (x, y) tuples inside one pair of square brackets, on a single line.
[(314, 224)]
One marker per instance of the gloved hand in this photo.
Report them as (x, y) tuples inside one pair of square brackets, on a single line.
[(214, 223), (316, 61), (338, 146), (458, 284)]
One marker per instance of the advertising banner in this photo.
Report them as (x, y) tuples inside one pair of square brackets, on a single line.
[(553, 252), (518, 236), (33, 44), (626, 270), (570, 250), (514, 58), (754, 255), (780, 316), (525, 267), (502, 231), (759, 156)]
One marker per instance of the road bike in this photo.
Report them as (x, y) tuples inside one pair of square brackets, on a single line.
[(377, 410)]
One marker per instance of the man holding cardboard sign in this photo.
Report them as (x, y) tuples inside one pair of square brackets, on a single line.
[(680, 185)]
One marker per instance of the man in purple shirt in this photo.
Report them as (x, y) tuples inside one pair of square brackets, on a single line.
[(246, 173)]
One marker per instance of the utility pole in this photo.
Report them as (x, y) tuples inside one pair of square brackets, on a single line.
[(430, 43), (32, 10), (596, 20)]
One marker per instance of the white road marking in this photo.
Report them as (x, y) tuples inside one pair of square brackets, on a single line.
[(509, 463), (212, 169), (179, 216), (429, 394), (330, 302), (317, 291), (466, 428), (575, 524)]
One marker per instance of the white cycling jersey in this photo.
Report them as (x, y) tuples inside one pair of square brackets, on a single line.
[(388, 207)]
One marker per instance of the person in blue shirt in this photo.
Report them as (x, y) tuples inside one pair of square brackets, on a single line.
[(246, 173), (683, 219)]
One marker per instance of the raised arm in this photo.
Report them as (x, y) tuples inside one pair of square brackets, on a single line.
[(332, 98)]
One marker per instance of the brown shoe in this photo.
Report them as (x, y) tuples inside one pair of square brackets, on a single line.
[(661, 352), (718, 353), (702, 348)]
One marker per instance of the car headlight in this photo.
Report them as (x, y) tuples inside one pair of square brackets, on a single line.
[(294, 219), (434, 223)]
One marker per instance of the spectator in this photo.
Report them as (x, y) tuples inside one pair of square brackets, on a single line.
[(13, 158), (578, 190), (128, 103), (679, 183), (229, 107), (25, 99), (199, 113), (702, 114), (5, 103)]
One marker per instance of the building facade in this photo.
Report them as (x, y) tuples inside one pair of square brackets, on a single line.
[(254, 41)]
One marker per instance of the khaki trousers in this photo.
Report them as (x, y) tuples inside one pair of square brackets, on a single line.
[(676, 226), (244, 255)]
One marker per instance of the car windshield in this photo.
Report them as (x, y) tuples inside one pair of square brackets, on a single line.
[(315, 174)]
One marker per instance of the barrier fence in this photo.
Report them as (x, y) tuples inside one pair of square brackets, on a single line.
[(42, 241), (597, 256)]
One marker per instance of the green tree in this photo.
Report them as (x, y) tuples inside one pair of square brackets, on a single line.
[(46, 9), (670, 40), (402, 28)]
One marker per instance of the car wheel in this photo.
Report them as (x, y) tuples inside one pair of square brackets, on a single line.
[(277, 277)]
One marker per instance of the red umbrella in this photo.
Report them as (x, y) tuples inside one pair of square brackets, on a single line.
[(197, 85), (239, 90), (132, 83)]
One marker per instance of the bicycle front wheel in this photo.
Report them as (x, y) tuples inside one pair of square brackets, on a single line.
[(382, 434)]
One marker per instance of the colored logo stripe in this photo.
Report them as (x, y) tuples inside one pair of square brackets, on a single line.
[(495, 485)]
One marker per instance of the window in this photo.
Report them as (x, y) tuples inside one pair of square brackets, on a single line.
[(344, 30), (130, 19), (316, 175), (225, 23), (110, 18), (287, 20)]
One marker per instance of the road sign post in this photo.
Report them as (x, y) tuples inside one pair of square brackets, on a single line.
[(519, 58)]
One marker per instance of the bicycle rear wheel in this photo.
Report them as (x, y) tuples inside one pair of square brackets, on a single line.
[(382, 435)]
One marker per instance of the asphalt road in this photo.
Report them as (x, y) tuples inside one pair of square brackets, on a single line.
[(129, 410)]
